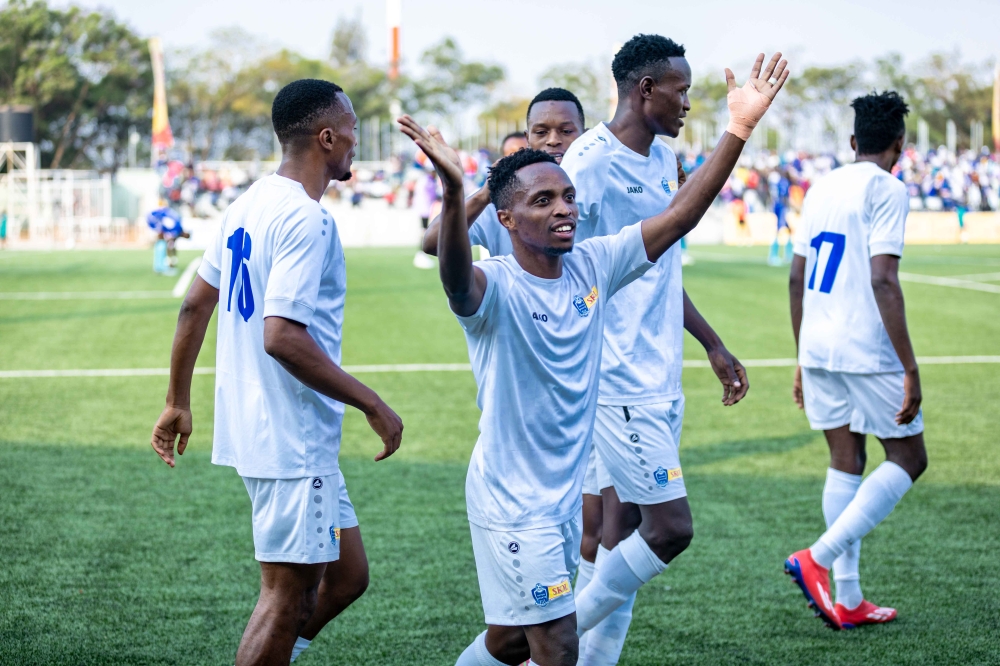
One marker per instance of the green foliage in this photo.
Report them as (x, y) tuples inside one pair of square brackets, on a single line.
[(449, 82), (87, 76), (586, 81)]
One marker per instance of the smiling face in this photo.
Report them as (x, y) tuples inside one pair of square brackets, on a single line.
[(543, 212), (666, 103), (552, 126)]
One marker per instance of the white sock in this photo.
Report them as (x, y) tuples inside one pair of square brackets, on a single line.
[(605, 641), (629, 566), (584, 575), (838, 492), (876, 498), (300, 645), (477, 654)]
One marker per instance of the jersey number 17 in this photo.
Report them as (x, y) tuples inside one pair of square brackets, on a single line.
[(837, 241)]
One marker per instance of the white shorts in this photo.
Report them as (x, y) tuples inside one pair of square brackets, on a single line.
[(299, 520), (639, 449), (868, 403), (524, 576), (590, 484)]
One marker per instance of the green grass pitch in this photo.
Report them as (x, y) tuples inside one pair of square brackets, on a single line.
[(109, 557)]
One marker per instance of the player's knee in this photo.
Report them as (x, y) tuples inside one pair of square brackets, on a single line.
[(358, 586), (588, 546), (670, 540), (561, 646)]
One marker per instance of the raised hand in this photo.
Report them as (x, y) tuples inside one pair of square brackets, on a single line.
[(443, 156), (748, 104)]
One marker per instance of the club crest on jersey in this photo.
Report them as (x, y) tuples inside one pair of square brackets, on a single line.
[(668, 185), (334, 534), (585, 305), (544, 594), (665, 476)]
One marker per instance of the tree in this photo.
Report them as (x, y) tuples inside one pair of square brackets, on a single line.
[(586, 82), (87, 76), (449, 82)]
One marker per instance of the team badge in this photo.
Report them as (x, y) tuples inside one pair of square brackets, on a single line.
[(661, 477), (514, 547), (544, 594), (585, 305), (334, 534), (317, 483), (668, 185)]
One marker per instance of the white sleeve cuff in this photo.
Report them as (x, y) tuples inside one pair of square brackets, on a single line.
[(885, 247), (281, 307), (210, 274)]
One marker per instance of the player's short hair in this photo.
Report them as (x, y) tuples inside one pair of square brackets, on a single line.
[(879, 119), (512, 135), (643, 55), (298, 105), (558, 95), (503, 176)]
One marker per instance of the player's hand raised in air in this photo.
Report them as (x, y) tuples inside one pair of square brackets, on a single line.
[(174, 422), (748, 104), (731, 373), (443, 156)]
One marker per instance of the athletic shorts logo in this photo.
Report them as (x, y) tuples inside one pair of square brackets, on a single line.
[(334, 534), (514, 547), (668, 185), (634, 438), (661, 477), (317, 483), (585, 305), (544, 594)]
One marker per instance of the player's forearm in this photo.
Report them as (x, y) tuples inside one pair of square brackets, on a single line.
[(453, 245), (192, 323), (698, 327), (796, 289), (889, 297), (692, 201), (474, 207), (290, 344)]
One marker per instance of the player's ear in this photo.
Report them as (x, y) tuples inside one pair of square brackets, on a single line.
[(645, 87), (854, 144), (326, 138), (506, 219)]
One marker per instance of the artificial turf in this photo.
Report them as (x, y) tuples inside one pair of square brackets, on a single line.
[(108, 557)]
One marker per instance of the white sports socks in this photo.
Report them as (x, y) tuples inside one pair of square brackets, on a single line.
[(876, 498), (626, 568), (838, 492), (602, 645), (585, 573), (477, 654), (300, 645)]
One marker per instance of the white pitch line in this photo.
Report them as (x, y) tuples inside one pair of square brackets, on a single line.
[(185, 279), (445, 367), (81, 295), (949, 282), (978, 277)]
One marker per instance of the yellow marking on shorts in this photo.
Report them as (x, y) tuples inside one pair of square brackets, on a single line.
[(674, 473), (559, 589), (336, 533)]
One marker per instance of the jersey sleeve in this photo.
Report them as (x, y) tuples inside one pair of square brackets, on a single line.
[(480, 320), (889, 206), (300, 250), (210, 268), (625, 257)]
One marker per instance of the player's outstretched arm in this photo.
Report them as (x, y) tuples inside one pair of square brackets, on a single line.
[(474, 207), (796, 288), (290, 344), (747, 106), (727, 367), (192, 322), (464, 284), (889, 297)]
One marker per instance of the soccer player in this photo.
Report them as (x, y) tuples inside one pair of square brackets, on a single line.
[(623, 172), (277, 272), (555, 120), (857, 372), (534, 322)]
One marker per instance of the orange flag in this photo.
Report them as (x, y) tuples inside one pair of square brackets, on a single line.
[(163, 138)]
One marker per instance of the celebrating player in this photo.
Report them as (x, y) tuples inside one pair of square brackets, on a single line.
[(276, 270), (857, 372), (534, 322), (623, 173)]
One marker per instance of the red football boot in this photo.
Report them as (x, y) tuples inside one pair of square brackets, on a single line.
[(814, 581), (865, 613)]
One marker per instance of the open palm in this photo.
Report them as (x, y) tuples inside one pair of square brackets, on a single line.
[(762, 80), (443, 156)]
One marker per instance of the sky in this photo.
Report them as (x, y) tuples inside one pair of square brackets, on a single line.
[(529, 36)]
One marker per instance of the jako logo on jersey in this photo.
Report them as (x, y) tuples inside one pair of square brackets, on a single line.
[(514, 547), (239, 244), (668, 185), (317, 483), (334, 534), (539, 316), (635, 189), (634, 437), (544, 594), (585, 305)]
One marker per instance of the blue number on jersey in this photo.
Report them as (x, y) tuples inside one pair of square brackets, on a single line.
[(838, 241), (239, 244)]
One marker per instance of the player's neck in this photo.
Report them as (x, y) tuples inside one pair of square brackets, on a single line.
[(630, 128), (311, 172), (884, 161), (537, 262)]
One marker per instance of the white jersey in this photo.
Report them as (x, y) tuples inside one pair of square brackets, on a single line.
[(278, 255), (489, 233), (644, 331), (535, 347), (849, 216)]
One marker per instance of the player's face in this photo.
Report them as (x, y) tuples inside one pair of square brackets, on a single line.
[(512, 145), (668, 101), (544, 212), (552, 126), (340, 139)]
